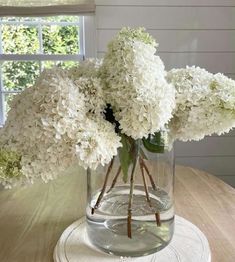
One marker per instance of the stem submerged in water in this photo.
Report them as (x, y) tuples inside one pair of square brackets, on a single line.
[(143, 167), (129, 231), (157, 215), (132, 181)]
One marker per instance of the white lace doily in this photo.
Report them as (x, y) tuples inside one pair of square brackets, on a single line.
[(189, 244)]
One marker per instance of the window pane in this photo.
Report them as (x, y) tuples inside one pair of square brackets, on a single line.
[(60, 39), (18, 75), (72, 19), (20, 39), (62, 64), (18, 19)]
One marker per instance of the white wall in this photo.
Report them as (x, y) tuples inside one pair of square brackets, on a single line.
[(200, 32)]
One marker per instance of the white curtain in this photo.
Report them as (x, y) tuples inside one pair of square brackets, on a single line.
[(45, 7)]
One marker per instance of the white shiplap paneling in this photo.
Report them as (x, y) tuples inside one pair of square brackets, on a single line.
[(232, 75), (182, 40), (190, 32), (209, 146), (115, 17), (166, 2), (213, 62)]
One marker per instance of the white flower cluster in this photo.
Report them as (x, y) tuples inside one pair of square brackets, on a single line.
[(98, 144), (49, 127), (205, 103), (67, 116), (86, 78), (135, 84), (88, 68)]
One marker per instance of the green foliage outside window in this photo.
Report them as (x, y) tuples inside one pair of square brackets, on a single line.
[(24, 39), (19, 75), (60, 39)]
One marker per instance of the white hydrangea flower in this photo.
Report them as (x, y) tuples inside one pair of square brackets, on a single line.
[(47, 122), (205, 103), (92, 90), (135, 84), (98, 145), (86, 78), (87, 68), (42, 123)]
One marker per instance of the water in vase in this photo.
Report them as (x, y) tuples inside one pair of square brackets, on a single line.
[(107, 227)]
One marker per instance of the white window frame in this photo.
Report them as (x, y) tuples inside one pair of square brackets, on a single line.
[(86, 48)]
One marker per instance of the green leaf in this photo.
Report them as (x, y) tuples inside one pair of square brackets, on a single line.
[(125, 156), (154, 143)]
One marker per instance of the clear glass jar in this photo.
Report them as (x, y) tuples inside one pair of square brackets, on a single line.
[(132, 226)]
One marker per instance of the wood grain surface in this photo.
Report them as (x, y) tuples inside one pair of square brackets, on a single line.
[(32, 219)]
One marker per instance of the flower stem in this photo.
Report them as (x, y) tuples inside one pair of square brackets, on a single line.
[(103, 188), (157, 215), (145, 186), (115, 179), (148, 173), (132, 180), (158, 219)]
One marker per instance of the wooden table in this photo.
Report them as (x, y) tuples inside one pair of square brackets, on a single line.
[(32, 219)]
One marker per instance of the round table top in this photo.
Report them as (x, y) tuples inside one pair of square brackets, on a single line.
[(32, 219)]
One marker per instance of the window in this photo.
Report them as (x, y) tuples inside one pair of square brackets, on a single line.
[(28, 45)]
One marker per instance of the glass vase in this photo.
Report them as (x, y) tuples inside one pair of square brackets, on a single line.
[(132, 215)]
